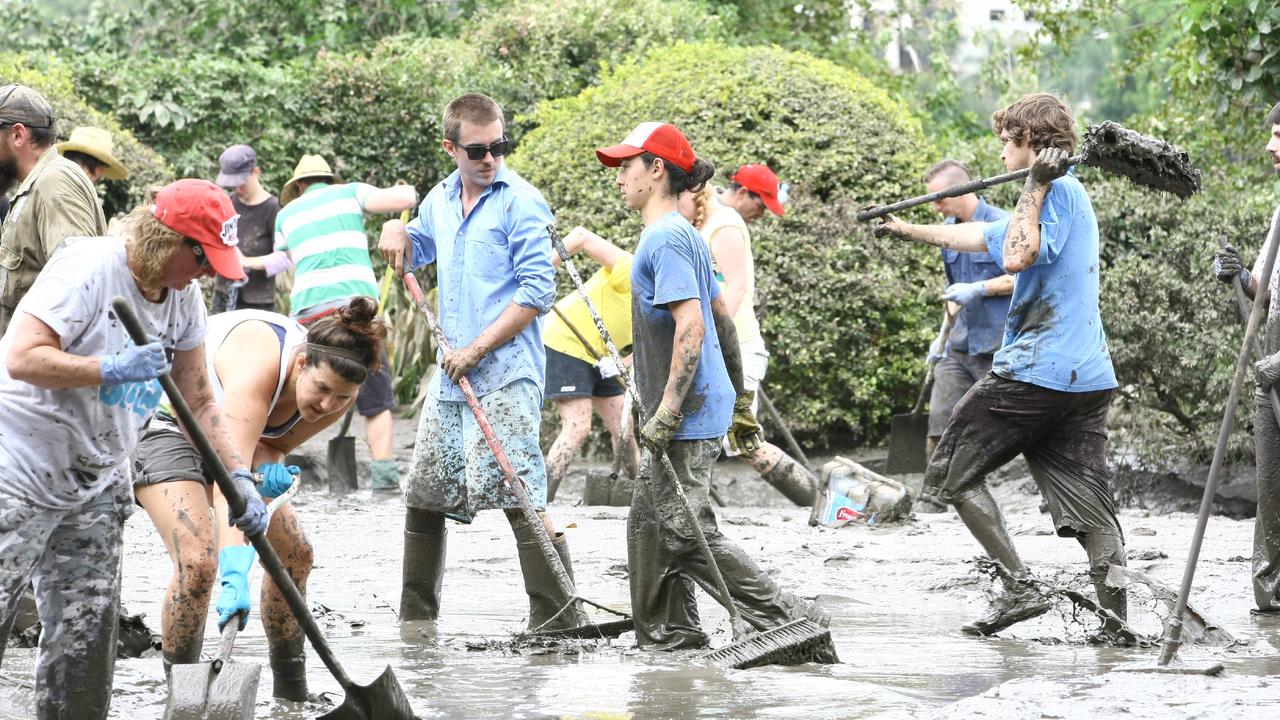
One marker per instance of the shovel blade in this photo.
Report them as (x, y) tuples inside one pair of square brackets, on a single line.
[(342, 465), (233, 692), (382, 699), (907, 444), (188, 691)]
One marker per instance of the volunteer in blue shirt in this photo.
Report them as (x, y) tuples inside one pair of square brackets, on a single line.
[(977, 294), (1052, 380), (485, 228), (689, 374)]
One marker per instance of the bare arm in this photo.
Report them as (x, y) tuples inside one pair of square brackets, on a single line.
[(1022, 239), (36, 357), (460, 361), (1002, 285), (190, 376), (729, 347), (965, 237), (686, 351), (597, 248), (391, 200), (729, 248)]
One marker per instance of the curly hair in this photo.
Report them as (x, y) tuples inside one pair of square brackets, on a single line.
[(1041, 119), (151, 245), (354, 327)]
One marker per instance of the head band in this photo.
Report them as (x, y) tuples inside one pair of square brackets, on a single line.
[(340, 352)]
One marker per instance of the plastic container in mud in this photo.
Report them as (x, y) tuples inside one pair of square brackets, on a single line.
[(850, 493)]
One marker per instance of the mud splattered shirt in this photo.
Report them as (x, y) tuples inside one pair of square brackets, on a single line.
[(1273, 311), (1053, 336), (673, 263), (58, 447)]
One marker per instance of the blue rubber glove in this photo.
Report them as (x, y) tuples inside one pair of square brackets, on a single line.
[(965, 293), (136, 363), (937, 350), (234, 563), (254, 519), (276, 478)]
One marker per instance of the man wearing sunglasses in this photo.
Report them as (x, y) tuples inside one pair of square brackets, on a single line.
[(485, 228), (54, 198)]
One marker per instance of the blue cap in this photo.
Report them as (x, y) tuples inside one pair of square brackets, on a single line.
[(235, 165)]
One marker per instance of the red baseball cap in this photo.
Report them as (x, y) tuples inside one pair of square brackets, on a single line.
[(760, 180), (200, 210), (661, 139)]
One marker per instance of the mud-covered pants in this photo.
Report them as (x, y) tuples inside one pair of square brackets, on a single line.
[(1266, 527), (664, 559), (73, 559)]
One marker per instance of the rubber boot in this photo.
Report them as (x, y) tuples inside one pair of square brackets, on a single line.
[(289, 669), (386, 478), (792, 480), (425, 538), (545, 597), (1019, 601), (1104, 551)]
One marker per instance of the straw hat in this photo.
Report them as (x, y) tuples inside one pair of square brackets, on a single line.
[(310, 167), (96, 143)]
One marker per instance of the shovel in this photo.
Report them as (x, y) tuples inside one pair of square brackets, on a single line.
[(383, 699), (218, 689), (341, 459), (908, 439)]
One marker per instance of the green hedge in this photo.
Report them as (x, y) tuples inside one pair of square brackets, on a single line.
[(53, 80), (846, 317)]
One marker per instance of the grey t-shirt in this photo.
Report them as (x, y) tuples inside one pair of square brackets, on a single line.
[(257, 232), (61, 448), (1273, 309)]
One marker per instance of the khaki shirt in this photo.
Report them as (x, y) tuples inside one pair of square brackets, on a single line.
[(54, 202)]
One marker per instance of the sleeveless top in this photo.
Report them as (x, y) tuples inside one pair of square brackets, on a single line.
[(288, 331), (744, 320)]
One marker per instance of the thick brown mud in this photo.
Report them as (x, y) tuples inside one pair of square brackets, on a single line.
[(898, 595)]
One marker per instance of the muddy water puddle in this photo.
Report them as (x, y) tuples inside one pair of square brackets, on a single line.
[(898, 596)]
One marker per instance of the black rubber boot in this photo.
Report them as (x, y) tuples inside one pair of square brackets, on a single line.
[(792, 480), (289, 669), (422, 573), (1019, 601), (1104, 551), (545, 597), (982, 516)]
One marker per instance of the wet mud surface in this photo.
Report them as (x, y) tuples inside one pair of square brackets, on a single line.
[(898, 595)]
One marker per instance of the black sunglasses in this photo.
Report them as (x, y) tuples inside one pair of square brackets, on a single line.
[(202, 260), (477, 152)]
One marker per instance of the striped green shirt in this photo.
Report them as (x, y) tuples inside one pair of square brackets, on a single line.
[(323, 232)]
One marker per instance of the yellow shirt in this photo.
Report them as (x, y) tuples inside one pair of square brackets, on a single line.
[(610, 292), (744, 320)]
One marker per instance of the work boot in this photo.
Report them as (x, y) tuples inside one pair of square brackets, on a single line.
[(289, 670), (930, 505), (423, 568), (792, 480), (1019, 601), (545, 597), (386, 478)]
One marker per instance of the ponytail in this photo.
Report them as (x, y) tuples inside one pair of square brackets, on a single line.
[(702, 206), (678, 180), (349, 340)]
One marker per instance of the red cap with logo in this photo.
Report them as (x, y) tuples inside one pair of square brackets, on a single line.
[(200, 210), (760, 180), (661, 139)]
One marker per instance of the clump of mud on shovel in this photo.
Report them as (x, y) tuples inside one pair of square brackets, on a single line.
[(1145, 161)]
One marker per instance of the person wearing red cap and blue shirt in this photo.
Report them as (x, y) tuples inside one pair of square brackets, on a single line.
[(689, 375), (74, 394)]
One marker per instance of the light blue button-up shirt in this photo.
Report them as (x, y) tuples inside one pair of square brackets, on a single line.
[(499, 254)]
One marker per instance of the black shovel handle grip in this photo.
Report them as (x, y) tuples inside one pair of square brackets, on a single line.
[(213, 466)]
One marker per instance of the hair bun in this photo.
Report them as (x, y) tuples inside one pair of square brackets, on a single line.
[(360, 310)]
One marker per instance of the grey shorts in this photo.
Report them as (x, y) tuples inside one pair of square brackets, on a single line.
[(165, 455), (952, 378)]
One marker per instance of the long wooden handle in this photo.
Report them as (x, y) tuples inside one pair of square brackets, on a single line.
[(213, 466), (954, 191)]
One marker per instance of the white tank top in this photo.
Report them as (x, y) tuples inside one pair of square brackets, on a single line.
[(291, 334)]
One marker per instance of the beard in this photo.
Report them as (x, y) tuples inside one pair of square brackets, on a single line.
[(8, 171)]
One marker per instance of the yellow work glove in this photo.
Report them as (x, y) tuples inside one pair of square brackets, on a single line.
[(745, 434), (659, 431)]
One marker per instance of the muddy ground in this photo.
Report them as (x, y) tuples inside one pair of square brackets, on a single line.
[(898, 594)]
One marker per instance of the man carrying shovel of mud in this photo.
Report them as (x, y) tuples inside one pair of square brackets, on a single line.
[(485, 228), (1266, 537), (1051, 383)]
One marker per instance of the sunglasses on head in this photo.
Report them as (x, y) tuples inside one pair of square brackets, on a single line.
[(202, 260), (478, 152)]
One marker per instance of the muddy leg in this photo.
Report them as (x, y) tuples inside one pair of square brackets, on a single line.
[(610, 410), (662, 599), (785, 474), (575, 425), (24, 534), (180, 512), (286, 642), (78, 594), (1105, 550), (1266, 528), (981, 515)]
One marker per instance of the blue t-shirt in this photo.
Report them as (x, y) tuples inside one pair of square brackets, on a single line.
[(673, 263), (1053, 336), (979, 328)]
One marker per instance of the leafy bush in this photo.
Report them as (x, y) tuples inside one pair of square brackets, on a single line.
[(847, 318), (54, 82)]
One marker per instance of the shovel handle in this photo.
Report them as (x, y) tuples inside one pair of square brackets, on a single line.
[(877, 211), (943, 334), (229, 632), (213, 465)]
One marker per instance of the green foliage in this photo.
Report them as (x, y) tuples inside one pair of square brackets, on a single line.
[(846, 317), (146, 168)]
